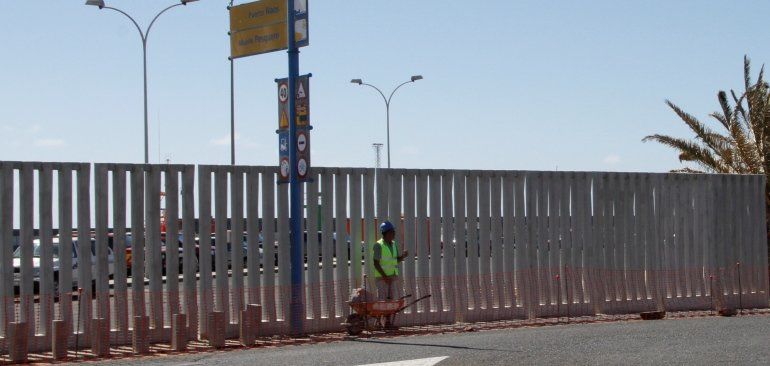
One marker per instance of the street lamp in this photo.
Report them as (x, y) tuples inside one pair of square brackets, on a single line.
[(387, 102), (143, 35)]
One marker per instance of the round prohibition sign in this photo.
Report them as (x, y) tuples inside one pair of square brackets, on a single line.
[(285, 168), (302, 167), (301, 142), (283, 92)]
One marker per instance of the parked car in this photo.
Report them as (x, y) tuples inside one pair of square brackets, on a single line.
[(129, 252), (245, 250), (36, 257)]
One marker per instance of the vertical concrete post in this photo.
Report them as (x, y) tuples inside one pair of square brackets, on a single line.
[(460, 264), (246, 324), (257, 315), (59, 340), (179, 332), (217, 328), (18, 347), (100, 341), (139, 338)]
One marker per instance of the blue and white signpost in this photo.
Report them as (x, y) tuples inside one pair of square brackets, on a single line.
[(297, 307)]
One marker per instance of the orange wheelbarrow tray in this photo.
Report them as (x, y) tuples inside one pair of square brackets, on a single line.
[(358, 321)]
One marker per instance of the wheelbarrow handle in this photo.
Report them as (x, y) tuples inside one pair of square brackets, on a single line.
[(412, 303)]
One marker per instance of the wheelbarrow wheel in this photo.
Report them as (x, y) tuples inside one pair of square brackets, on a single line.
[(356, 324)]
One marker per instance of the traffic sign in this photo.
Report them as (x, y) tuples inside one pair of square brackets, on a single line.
[(285, 169), (283, 143), (303, 152), (261, 27), (258, 40), (283, 156), (302, 168), (301, 141), (257, 14), (283, 92), (302, 102), (283, 123)]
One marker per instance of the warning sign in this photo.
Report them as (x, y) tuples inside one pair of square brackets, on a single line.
[(284, 122), (302, 102)]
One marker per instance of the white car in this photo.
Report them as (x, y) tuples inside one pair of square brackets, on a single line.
[(36, 253)]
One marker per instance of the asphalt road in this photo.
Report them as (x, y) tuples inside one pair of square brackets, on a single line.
[(695, 341)]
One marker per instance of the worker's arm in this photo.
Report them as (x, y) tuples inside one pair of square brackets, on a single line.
[(403, 256)]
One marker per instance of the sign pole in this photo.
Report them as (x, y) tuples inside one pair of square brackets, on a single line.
[(232, 102), (232, 112), (297, 307)]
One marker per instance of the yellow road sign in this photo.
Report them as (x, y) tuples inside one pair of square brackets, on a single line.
[(258, 40), (261, 27), (257, 14), (284, 122)]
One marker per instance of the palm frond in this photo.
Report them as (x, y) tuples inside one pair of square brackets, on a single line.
[(747, 160), (746, 72), (690, 151), (727, 111), (702, 132), (741, 144), (742, 114)]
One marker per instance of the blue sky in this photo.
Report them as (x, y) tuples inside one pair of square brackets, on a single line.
[(508, 84)]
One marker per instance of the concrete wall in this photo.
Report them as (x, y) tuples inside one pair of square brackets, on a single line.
[(487, 245)]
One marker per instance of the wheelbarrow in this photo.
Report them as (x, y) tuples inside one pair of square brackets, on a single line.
[(369, 315)]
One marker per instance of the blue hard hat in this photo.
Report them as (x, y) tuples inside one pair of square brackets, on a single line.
[(386, 226)]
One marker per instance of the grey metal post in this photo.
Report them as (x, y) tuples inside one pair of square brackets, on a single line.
[(232, 112), (232, 105), (387, 125), (146, 123)]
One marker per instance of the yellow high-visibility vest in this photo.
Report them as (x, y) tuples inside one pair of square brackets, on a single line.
[(388, 260)]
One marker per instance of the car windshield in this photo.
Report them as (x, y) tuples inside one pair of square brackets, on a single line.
[(36, 251)]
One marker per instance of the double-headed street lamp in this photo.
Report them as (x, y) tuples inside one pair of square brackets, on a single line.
[(143, 34), (387, 102)]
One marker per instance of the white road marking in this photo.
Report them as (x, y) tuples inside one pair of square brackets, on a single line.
[(419, 362)]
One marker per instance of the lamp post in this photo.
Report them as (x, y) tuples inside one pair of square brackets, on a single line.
[(387, 102), (143, 34)]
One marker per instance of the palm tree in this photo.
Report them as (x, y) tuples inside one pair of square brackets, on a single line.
[(742, 146)]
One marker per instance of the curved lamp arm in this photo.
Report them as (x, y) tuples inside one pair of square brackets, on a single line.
[(147, 33), (141, 34), (387, 102), (394, 90)]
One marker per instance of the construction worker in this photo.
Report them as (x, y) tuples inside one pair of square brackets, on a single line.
[(385, 259)]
